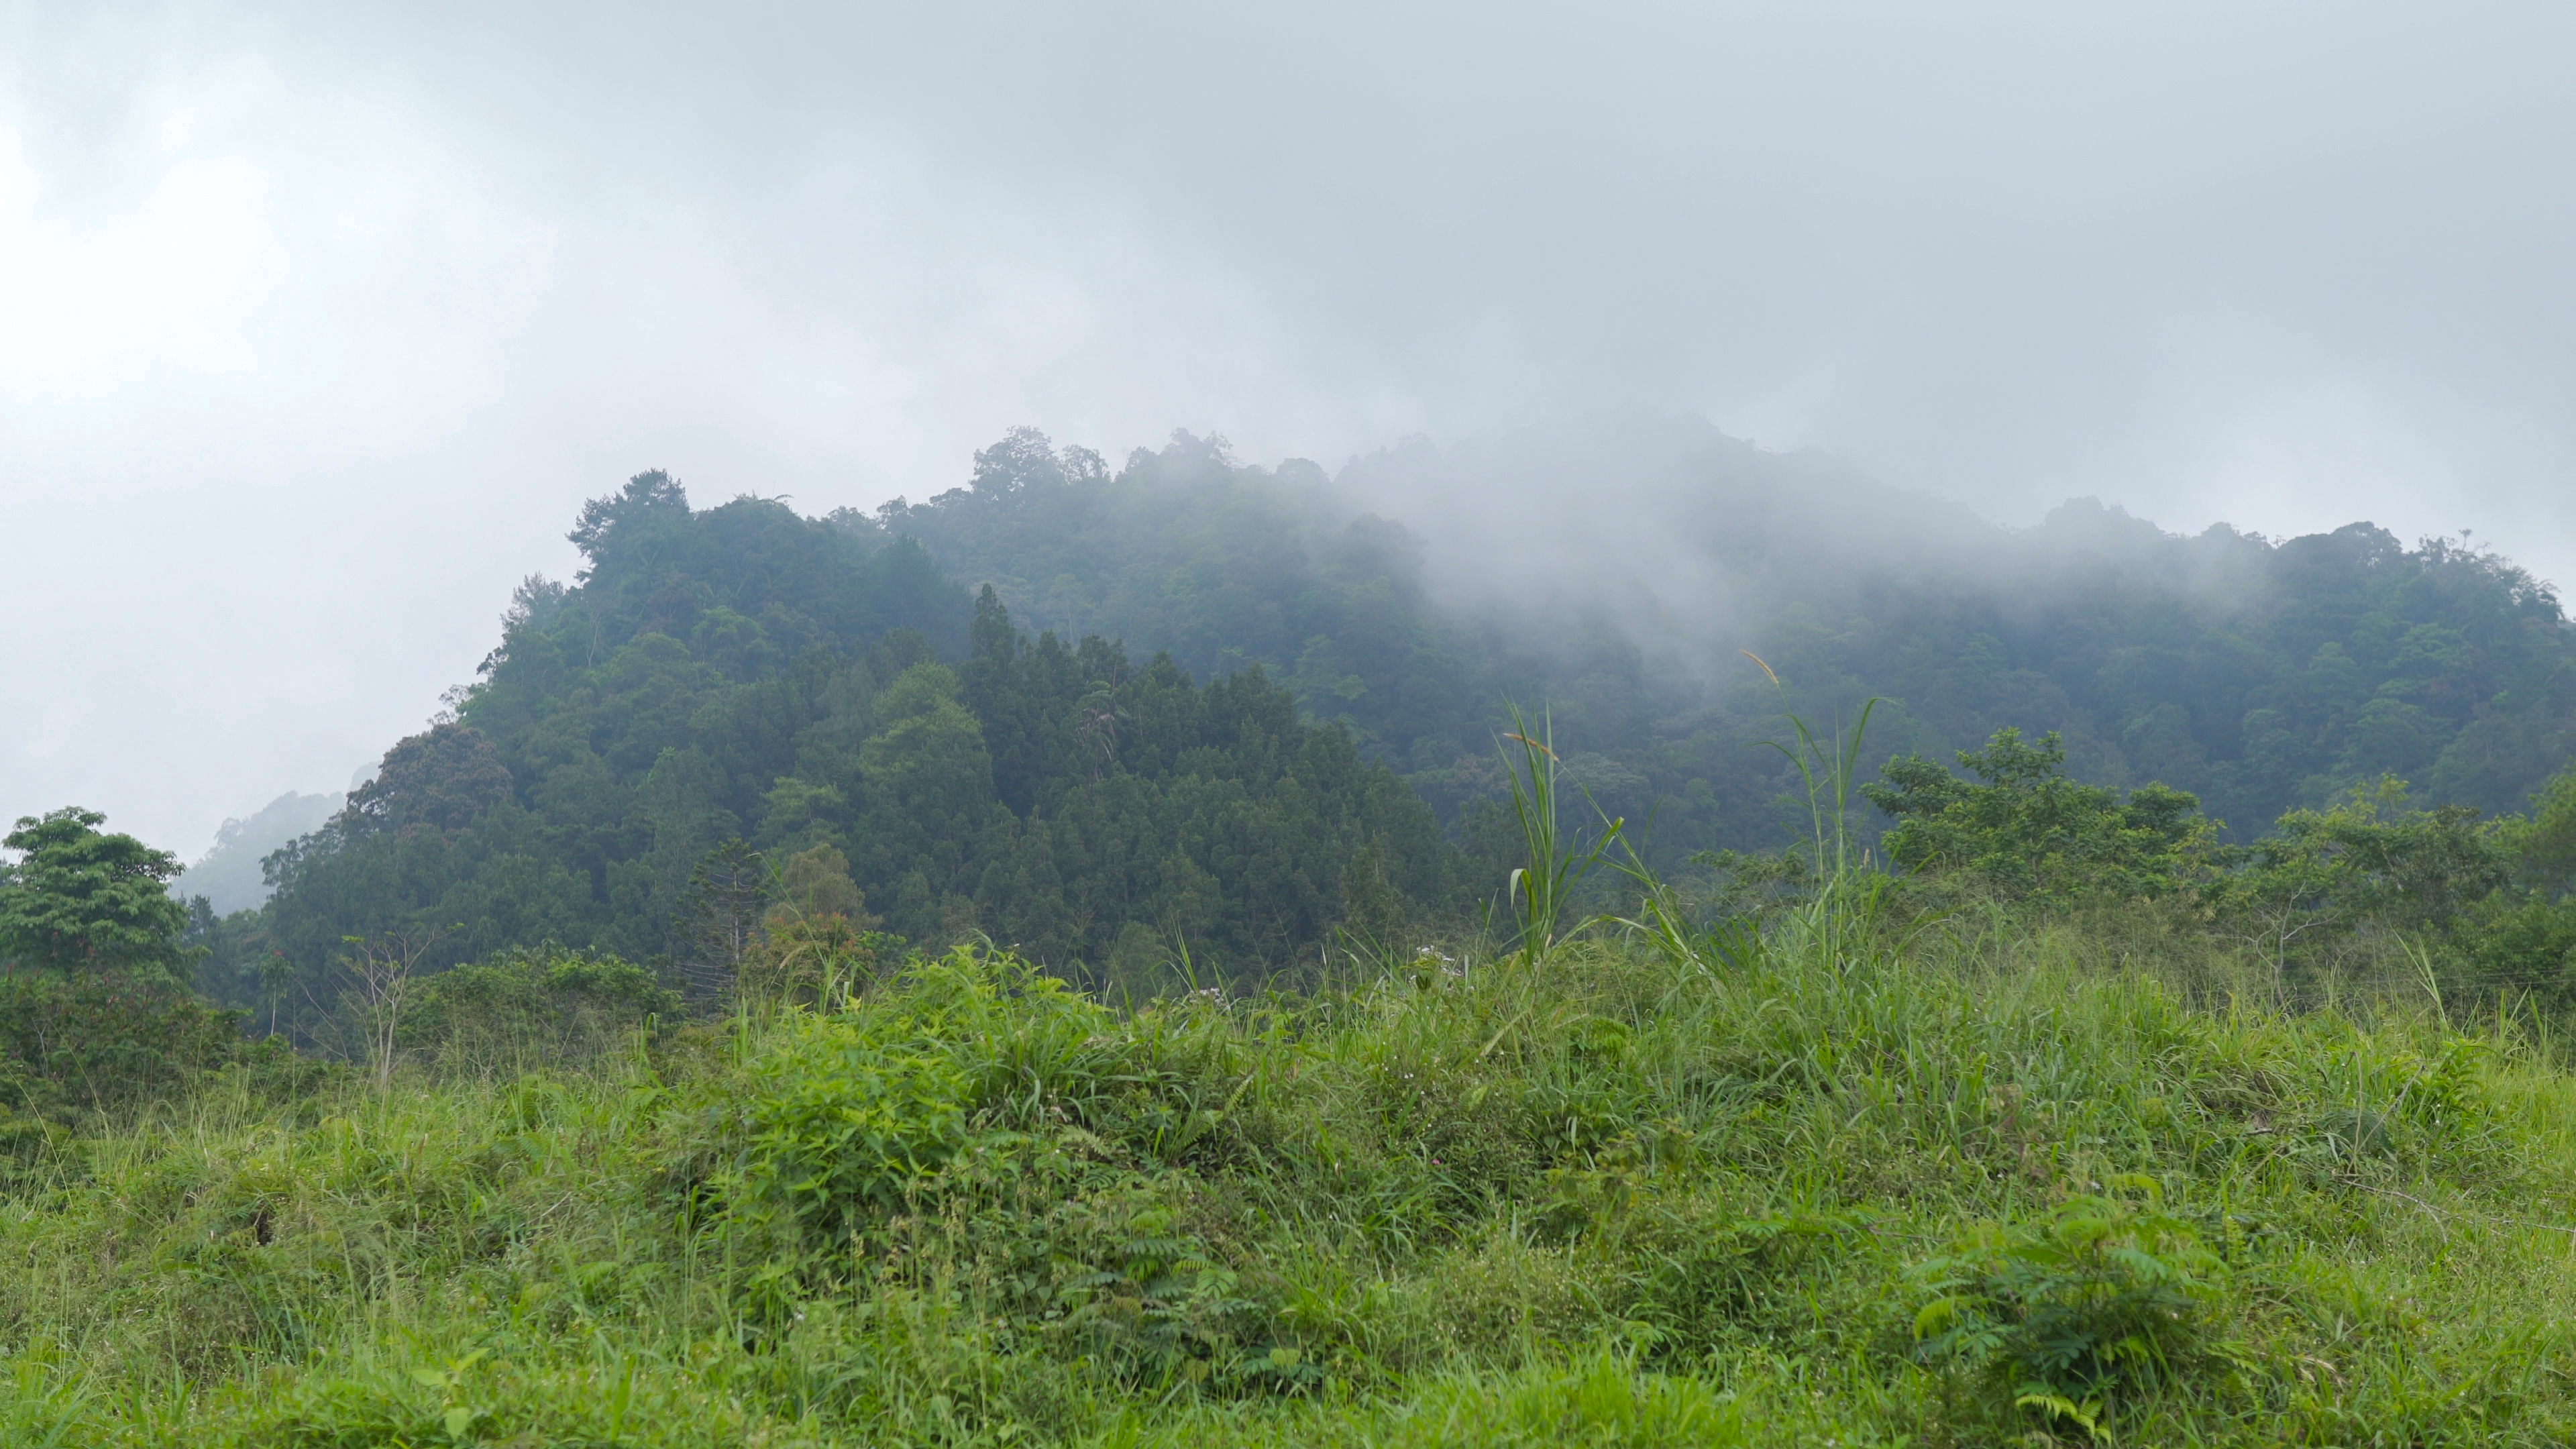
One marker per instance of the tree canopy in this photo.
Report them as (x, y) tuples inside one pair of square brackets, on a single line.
[(2027, 830), (81, 900), (726, 691), (1192, 707), (2258, 675)]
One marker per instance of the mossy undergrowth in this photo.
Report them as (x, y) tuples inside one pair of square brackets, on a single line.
[(1971, 1190)]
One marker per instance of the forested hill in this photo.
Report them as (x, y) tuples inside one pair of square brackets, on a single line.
[(1615, 577), (732, 691), (735, 690)]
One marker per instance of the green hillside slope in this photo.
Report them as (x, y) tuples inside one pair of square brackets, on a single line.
[(615, 1118), (1839, 1187)]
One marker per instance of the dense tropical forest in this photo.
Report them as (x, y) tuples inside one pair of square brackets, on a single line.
[(2258, 674), (1200, 709), (1197, 954)]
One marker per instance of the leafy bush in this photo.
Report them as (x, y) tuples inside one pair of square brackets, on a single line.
[(812, 959), (2545, 843), (105, 1041), (840, 1115), (546, 1004), (2371, 858), (843, 1113), (2518, 947), (2101, 1296), (974, 1127), (2028, 830)]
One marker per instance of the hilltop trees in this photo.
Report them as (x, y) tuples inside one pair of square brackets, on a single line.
[(726, 690), (93, 1009), (80, 900), (2028, 831), (2369, 875), (1301, 737), (2258, 675)]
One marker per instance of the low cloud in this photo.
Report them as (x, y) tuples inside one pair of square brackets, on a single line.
[(317, 323), (86, 310)]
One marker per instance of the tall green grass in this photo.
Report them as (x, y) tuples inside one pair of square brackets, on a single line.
[(1863, 1176), (1987, 1181)]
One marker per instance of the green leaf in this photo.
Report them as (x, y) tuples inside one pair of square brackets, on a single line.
[(1937, 1315), (2058, 1406)]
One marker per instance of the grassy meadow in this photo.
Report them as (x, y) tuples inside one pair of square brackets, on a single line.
[(1847, 1182)]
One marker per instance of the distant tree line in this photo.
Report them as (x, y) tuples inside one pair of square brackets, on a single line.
[(733, 707), (2259, 675), (727, 691)]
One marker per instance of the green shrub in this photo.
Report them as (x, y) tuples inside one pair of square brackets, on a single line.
[(106, 1040), (814, 960), (2029, 831), (526, 1007), (842, 1114), (2099, 1297), (2517, 949), (836, 1121)]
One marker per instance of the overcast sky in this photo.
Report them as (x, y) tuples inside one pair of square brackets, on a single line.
[(317, 323)]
